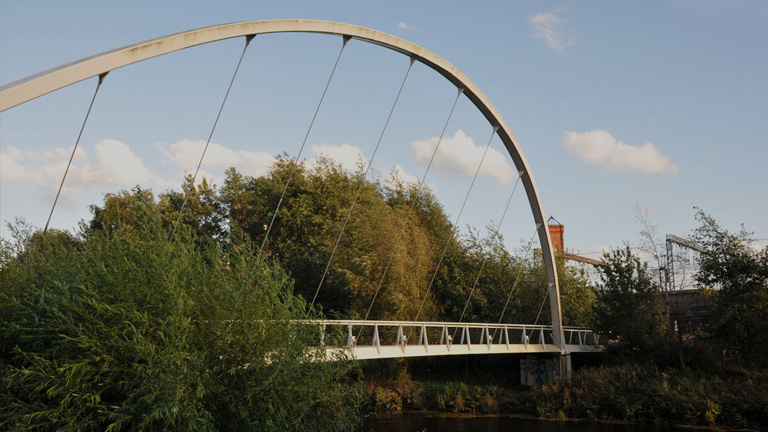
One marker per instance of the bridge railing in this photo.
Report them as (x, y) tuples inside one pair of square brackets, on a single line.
[(384, 339)]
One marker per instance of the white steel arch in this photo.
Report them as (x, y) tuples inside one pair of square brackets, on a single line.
[(25, 89)]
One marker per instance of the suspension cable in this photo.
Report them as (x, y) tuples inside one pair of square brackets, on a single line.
[(296, 159), (71, 157), (413, 204), (456, 223), (362, 183), (509, 297), (248, 40), (541, 308), (485, 260)]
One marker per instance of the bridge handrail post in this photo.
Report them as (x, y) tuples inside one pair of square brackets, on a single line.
[(351, 339), (376, 340), (423, 338), (506, 336), (541, 337), (524, 337), (401, 338)]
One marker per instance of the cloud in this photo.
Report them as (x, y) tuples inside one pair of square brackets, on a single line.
[(713, 154), (403, 26), (598, 147), (12, 167), (458, 155), (186, 153), (551, 29), (114, 164), (347, 155)]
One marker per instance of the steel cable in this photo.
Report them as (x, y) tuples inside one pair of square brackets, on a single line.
[(248, 40), (74, 149), (301, 150), (485, 260), (448, 241), (360, 187), (413, 203)]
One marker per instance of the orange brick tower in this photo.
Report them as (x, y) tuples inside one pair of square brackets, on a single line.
[(556, 231)]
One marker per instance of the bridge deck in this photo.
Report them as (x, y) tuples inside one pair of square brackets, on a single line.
[(389, 339)]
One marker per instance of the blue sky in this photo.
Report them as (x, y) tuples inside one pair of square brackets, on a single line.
[(660, 105)]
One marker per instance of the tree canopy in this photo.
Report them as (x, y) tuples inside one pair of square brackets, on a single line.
[(735, 277)]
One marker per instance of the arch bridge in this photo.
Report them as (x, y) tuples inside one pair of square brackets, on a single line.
[(364, 339)]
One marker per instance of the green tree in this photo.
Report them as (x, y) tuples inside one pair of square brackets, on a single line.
[(735, 277), (627, 306), (307, 227), (123, 329), (203, 212)]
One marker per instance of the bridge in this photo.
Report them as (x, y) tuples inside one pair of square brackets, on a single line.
[(389, 339), (361, 339)]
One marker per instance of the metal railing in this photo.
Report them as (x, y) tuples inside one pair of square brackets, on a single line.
[(387, 339)]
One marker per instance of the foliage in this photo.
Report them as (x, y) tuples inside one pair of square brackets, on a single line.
[(522, 275), (643, 393), (455, 396), (307, 227), (626, 308), (736, 277), (462, 397), (363, 263), (122, 329)]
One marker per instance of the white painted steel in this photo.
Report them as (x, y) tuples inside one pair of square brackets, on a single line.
[(34, 86), (482, 341)]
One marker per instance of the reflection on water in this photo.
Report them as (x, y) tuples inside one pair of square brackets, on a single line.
[(434, 422)]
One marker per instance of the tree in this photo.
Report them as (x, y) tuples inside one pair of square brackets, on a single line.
[(626, 305), (735, 275), (310, 219), (124, 329)]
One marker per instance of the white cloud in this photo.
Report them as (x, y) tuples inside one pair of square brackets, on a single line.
[(186, 153), (459, 155), (551, 29), (347, 155), (403, 26), (599, 147), (12, 167), (115, 164), (713, 154)]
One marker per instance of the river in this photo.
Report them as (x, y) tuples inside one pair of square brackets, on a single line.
[(440, 422)]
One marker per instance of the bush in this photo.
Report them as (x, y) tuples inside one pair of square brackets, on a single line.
[(642, 393), (122, 329), (461, 397)]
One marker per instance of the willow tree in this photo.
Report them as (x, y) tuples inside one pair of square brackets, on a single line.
[(124, 329)]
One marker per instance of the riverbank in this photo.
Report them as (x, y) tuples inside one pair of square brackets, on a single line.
[(634, 394), (430, 421)]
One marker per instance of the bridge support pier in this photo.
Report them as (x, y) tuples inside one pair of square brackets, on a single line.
[(536, 369)]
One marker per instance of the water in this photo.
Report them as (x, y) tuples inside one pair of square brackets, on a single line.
[(435, 422)]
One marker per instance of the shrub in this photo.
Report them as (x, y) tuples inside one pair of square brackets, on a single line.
[(122, 329), (643, 393)]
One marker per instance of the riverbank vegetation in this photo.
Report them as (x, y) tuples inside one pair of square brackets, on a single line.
[(124, 329), (715, 374), (643, 393)]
